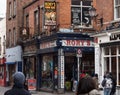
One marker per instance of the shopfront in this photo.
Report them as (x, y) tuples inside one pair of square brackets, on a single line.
[(58, 60), (107, 54), (13, 63), (2, 72)]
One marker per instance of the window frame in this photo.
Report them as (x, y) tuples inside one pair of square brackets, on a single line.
[(81, 6), (116, 13)]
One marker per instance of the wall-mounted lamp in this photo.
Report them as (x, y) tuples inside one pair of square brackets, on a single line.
[(93, 14)]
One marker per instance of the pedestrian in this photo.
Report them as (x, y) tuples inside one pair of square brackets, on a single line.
[(87, 86), (107, 84), (114, 84), (95, 78), (83, 74), (18, 86)]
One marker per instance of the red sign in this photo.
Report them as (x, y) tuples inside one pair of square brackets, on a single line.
[(78, 43), (31, 84)]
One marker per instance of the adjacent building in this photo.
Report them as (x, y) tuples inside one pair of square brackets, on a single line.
[(107, 42), (2, 52), (14, 24)]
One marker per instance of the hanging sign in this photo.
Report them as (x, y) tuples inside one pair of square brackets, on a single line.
[(50, 12)]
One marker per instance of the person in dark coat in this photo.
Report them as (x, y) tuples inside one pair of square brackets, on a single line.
[(18, 87), (114, 84)]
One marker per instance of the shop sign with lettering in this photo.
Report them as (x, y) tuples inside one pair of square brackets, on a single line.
[(48, 45), (77, 43), (50, 12), (115, 37)]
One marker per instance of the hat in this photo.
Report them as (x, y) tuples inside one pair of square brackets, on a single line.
[(19, 78)]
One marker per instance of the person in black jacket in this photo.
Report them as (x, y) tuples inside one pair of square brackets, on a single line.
[(114, 84), (18, 87)]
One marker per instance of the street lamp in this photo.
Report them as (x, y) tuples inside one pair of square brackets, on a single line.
[(93, 14)]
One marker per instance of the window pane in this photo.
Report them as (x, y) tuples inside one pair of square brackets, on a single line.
[(113, 50), (119, 69), (113, 66), (106, 64), (106, 49), (75, 2), (76, 14), (86, 3), (116, 2)]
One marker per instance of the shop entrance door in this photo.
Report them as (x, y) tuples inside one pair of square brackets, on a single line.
[(70, 72), (11, 68)]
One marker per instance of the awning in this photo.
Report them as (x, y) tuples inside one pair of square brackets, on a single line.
[(10, 62)]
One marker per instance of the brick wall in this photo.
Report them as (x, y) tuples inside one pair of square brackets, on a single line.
[(14, 21)]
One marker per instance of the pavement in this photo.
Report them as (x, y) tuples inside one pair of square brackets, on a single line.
[(3, 89)]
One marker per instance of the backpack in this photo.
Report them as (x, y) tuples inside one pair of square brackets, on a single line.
[(108, 83)]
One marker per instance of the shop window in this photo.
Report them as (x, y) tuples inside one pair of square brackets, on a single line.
[(119, 49), (106, 50), (113, 50), (106, 64), (30, 67), (119, 70), (47, 72), (113, 65)]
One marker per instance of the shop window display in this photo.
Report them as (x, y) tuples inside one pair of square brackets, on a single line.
[(112, 61), (47, 72)]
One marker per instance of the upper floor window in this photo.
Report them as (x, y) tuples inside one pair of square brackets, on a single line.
[(4, 44), (36, 22), (117, 9), (80, 13), (27, 21), (14, 8), (14, 36), (10, 9), (10, 38)]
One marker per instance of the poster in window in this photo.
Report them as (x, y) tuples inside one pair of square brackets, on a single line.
[(50, 12)]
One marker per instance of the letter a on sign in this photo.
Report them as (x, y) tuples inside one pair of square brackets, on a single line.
[(79, 53)]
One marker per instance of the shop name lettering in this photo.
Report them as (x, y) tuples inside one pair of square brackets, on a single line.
[(77, 43), (48, 45), (115, 37)]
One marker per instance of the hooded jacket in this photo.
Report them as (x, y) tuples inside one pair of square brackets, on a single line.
[(18, 87), (17, 90)]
